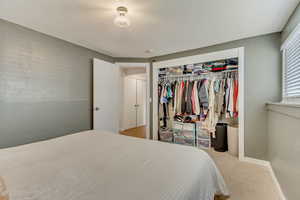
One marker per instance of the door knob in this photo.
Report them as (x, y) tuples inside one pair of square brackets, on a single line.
[(96, 109)]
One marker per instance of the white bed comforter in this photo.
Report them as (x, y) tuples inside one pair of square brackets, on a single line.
[(95, 165)]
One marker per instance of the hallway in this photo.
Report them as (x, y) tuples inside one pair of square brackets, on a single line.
[(139, 132)]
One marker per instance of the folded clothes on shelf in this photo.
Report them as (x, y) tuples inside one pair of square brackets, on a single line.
[(231, 67)]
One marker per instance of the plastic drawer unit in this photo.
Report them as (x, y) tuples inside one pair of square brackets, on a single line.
[(203, 140), (166, 136), (184, 140)]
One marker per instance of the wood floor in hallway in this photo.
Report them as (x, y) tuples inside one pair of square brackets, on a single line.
[(139, 132)]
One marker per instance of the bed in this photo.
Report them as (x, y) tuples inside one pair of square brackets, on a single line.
[(94, 165)]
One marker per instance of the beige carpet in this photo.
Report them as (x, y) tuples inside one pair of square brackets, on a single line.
[(245, 181)]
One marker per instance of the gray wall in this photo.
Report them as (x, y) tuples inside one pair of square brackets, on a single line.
[(263, 75), (45, 86), (284, 147), (284, 135)]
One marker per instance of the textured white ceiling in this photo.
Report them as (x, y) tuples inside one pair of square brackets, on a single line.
[(166, 26)]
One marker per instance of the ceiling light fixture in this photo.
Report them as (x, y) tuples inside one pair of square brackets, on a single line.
[(121, 20), (149, 51)]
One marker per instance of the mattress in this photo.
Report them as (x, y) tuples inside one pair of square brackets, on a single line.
[(94, 165)]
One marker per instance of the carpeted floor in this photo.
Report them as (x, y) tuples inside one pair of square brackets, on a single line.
[(245, 181)]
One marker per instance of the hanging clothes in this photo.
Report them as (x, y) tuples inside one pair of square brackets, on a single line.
[(230, 108), (179, 97), (212, 117), (205, 99), (235, 98), (227, 98), (165, 97), (203, 95), (196, 103), (160, 106), (184, 95), (174, 99), (193, 97), (219, 93), (189, 106)]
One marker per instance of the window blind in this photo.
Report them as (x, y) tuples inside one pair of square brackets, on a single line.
[(292, 68)]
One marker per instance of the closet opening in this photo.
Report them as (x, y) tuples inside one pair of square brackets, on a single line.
[(199, 102), (134, 104)]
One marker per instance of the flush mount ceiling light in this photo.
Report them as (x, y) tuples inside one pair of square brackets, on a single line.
[(121, 20), (149, 51)]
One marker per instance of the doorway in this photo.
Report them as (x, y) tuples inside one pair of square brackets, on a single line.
[(134, 100), (199, 59)]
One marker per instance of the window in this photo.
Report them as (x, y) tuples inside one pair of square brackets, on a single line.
[(291, 67)]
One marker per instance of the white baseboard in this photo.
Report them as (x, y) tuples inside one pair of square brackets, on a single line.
[(282, 196), (269, 166), (256, 161)]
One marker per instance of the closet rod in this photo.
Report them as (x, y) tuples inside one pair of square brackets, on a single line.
[(198, 75), (201, 63)]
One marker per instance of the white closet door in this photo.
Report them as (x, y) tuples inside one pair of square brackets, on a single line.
[(141, 105), (129, 112), (106, 96)]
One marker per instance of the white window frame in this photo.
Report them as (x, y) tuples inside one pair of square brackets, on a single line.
[(284, 46)]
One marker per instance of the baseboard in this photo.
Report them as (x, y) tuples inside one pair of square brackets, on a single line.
[(282, 196), (256, 161), (269, 166)]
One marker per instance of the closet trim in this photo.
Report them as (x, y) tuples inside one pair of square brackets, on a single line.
[(213, 56)]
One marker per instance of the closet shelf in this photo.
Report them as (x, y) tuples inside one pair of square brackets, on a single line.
[(198, 75)]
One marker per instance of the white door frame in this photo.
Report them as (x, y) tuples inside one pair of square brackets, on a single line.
[(219, 55), (147, 66)]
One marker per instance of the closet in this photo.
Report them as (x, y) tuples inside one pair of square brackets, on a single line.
[(198, 104)]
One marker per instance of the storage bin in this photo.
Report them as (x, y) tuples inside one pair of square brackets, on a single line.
[(177, 132), (203, 143), (203, 137), (200, 131), (166, 136), (203, 134), (188, 127), (198, 125), (184, 140), (177, 126), (188, 134)]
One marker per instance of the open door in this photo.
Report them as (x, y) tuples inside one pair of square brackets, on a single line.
[(106, 96)]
